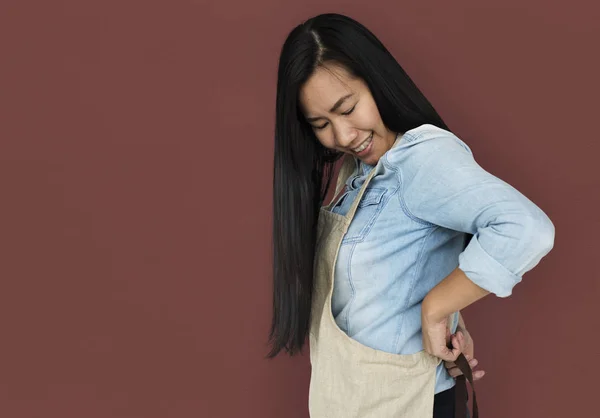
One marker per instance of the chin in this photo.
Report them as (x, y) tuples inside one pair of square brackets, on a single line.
[(370, 160)]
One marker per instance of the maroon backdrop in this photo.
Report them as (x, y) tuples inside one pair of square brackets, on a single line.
[(136, 143)]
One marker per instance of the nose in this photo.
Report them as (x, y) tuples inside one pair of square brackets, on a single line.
[(345, 135)]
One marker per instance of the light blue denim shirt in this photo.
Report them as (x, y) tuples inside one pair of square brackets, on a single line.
[(409, 233)]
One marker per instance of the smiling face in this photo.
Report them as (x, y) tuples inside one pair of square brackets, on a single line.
[(343, 114)]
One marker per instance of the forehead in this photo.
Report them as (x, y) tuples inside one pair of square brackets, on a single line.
[(325, 87)]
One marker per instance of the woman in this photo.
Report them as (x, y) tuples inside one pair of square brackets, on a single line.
[(376, 279)]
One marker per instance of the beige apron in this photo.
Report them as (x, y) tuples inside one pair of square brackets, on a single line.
[(349, 379)]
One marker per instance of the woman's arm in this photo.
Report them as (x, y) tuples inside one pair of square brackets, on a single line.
[(452, 294), (446, 187)]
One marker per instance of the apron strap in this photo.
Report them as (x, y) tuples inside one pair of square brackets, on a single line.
[(460, 409)]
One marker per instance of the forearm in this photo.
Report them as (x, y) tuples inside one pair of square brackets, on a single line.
[(452, 294)]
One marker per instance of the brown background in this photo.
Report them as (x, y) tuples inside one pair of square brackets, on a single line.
[(136, 143)]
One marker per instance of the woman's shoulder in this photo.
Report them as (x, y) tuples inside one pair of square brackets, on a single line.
[(425, 143), (428, 136)]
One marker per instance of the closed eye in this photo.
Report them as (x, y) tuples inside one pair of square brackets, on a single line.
[(350, 111), (344, 113)]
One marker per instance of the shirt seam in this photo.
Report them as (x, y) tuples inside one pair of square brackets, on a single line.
[(400, 188), (403, 205)]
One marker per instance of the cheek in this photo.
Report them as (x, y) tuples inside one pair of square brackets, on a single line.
[(369, 119)]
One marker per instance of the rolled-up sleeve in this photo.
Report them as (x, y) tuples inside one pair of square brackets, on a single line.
[(445, 186)]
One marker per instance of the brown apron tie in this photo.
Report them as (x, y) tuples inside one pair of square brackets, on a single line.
[(460, 409)]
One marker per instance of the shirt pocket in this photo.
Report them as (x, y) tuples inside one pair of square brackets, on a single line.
[(366, 214)]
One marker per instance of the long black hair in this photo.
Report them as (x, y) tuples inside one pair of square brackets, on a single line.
[(303, 168)]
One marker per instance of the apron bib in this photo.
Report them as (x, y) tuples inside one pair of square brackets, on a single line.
[(349, 379)]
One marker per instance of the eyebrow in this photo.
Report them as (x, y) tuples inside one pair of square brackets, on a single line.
[(334, 108)]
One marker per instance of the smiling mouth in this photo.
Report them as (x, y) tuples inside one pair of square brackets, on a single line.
[(364, 145)]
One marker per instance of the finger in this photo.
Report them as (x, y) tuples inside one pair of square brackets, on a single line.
[(465, 346), (460, 342), (454, 372), (457, 348), (449, 364), (447, 354)]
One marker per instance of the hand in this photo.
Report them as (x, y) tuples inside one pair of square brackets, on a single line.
[(436, 338), (467, 347)]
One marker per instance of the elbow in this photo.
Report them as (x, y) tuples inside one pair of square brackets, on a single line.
[(537, 239), (542, 232), (548, 236), (496, 259)]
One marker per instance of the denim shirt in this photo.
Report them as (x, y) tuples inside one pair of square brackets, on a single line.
[(409, 233)]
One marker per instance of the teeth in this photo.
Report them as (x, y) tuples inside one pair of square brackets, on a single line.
[(364, 145)]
